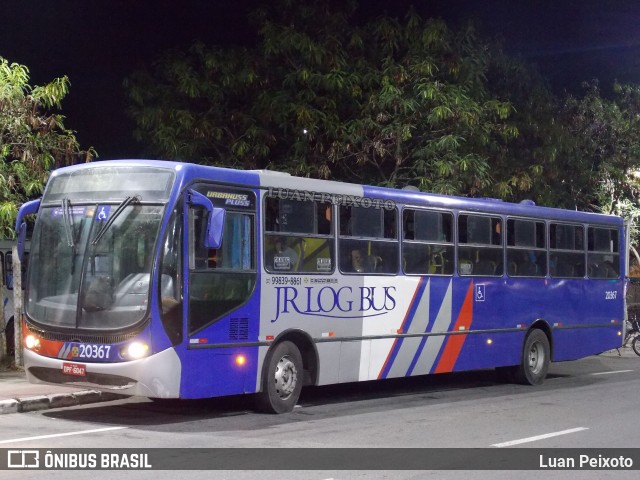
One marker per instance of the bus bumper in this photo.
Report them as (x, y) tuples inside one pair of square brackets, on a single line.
[(157, 376)]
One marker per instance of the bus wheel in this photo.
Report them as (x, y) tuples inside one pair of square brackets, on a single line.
[(636, 345), (283, 380), (536, 356)]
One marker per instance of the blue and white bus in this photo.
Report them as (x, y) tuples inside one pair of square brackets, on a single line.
[(175, 280)]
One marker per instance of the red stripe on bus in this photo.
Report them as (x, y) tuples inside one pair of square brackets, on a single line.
[(454, 344)]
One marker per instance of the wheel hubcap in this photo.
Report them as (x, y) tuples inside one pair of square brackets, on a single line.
[(286, 377), (536, 358)]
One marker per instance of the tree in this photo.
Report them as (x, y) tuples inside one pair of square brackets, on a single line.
[(427, 118), (604, 156), (524, 166), (32, 139), (391, 102)]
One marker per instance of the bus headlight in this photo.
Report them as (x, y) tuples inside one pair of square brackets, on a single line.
[(136, 350), (32, 342)]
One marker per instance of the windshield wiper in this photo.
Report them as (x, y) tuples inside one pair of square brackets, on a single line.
[(68, 221), (105, 226)]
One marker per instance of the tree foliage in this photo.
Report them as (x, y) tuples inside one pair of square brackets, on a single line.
[(32, 139), (523, 165), (390, 101), (604, 155)]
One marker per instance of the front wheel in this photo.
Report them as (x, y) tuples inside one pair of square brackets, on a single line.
[(282, 382), (536, 357), (636, 345)]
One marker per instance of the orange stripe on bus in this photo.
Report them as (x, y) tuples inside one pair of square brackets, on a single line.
[(455, 342)]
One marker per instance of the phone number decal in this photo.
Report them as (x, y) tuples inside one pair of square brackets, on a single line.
[(285, 281)]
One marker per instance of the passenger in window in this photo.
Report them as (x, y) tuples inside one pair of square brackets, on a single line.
[(609, 270), (358, 261), (497, 233), (214, 258), (271, 216), (282, 257)]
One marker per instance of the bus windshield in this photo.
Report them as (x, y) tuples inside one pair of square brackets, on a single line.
[(94, 261)]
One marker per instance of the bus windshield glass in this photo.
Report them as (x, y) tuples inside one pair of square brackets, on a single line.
[(94, 260), (110, 184)]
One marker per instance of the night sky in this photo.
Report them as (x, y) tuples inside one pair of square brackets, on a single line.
[(97, 43)]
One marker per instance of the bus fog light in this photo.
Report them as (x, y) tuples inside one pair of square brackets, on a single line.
[(32, 342), (137, 350)]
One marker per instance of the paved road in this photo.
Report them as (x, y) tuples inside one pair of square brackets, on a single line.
[(591, 403)]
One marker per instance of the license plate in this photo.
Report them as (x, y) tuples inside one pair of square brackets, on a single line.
[(76, 369)]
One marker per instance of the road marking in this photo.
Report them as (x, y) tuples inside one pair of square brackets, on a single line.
[(68, 434), (609, 373), (539, 437)]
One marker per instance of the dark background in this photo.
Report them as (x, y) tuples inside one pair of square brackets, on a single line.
[(97, 43)]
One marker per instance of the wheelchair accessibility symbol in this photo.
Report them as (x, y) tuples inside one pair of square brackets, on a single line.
[(480, 296), (103, 213)]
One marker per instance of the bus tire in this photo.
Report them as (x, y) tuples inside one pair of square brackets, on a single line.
[(282, 382), (636, 344), (536, 357)]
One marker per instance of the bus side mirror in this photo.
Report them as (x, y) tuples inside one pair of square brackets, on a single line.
[(215, 219), (21, 226)]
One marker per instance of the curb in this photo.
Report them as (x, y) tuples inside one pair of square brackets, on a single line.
[(57, 400)]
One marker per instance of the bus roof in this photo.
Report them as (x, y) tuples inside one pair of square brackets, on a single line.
[(188, 172)]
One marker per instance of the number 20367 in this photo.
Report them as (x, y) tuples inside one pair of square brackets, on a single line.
[(91, 351)]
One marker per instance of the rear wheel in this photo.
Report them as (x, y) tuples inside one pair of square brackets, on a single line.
[(536, 357), (636, 345), (282, 382)]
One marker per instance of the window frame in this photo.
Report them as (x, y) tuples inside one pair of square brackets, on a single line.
[(449, 247), (349, 243), (575, 252), (498, 248), (533, 249), (270, 236), (593, 253)]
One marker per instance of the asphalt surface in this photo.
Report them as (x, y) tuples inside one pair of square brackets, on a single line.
[(17, 395)]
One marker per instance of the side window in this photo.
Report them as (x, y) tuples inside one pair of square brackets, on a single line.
[(427, 242), (236, 254), (221, 280), (368, 240), (603, 253), (298, 236), (480, 245), (170, 279), (566, 251), (526, 249)]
